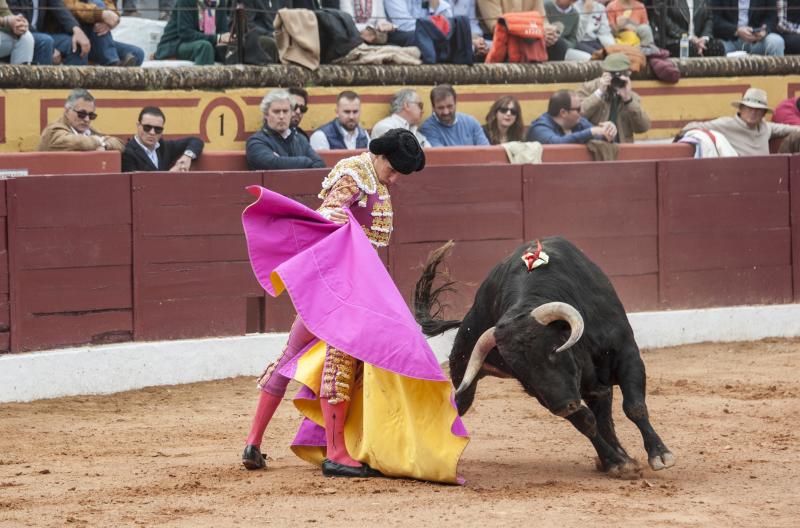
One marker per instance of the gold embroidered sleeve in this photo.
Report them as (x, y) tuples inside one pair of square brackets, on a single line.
[(344, 193)]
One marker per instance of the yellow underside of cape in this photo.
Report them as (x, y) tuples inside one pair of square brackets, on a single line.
[(398, 425)]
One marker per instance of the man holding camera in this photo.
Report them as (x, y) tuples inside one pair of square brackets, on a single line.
[(611, 98)]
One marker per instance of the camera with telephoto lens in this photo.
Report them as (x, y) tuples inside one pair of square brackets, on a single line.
[(616, 79)]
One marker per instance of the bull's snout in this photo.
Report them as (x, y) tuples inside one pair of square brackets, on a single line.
[(567, 409)]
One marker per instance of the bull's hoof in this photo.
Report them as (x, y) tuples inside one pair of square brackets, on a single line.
[(662, 461), (627, 469)]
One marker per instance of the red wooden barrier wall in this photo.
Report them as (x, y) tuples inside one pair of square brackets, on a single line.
[(794, 198), (441, 204), (192, 277), (94, 162), (725, 234), (93, 259), (70, 260), (5, 312)]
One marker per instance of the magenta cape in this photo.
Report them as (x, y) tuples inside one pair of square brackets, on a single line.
[(338, 284), (344, 295)]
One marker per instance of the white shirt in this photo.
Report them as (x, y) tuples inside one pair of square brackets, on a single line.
[(34, 14), (319, 141), (396, 121), (150, 153), (744, 13)]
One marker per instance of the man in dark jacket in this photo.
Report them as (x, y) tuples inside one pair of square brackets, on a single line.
[(701, 39), (148, 152), (50, 20), (747, 26), (277, 145)]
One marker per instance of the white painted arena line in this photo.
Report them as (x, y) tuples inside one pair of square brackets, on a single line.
[(126, 366)]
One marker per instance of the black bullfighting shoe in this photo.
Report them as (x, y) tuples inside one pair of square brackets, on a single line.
[(334, 469), (252, 458)]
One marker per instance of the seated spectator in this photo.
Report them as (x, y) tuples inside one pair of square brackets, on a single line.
[(403, 14), (629, 22), (183, 40), (97, 19), (789, 25), (594, 32), (697, 25), (491, 10), (747, 25), (51, 24), (447, 127), (563, 123), (747, 131), (466, 8), (165, 8), (260, 47), (371, 21), (16, 42), (787, 112), (504, 121), (343, 132), (611, 98), (71, 132), (277, 145), (407, 109), (147, 151), (563, 15), (300, 102)]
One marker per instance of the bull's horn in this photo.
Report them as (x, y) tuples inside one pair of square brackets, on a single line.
[(482, 348), (559, 311)]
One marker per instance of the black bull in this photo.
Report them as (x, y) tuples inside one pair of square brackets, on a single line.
[(562, 332)]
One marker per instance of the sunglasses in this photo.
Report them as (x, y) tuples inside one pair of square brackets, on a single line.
[(82, 114), (151, 128), (509, 110), (302, 108)]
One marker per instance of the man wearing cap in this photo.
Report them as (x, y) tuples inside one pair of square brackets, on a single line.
[(359, 184), (747, 132), (611, 98)]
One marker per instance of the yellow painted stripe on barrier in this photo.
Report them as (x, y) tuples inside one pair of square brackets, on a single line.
[(226, 119)]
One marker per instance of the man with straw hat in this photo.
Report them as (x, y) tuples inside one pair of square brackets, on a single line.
[(747, 131)]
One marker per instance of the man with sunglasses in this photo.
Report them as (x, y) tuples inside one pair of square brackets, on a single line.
[(147, 151), (73, 131), (300, 100), (563, 123)]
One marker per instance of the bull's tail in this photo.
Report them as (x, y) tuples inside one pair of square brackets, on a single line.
[(427, 307)]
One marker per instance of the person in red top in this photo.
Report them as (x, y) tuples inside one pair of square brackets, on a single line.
[(787, 112), (629, 17)]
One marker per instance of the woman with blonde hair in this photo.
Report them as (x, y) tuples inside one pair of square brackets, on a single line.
[(504, 121)]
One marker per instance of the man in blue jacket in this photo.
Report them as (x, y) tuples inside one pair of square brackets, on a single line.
[(563, 123), (277, 145), (447, 127)]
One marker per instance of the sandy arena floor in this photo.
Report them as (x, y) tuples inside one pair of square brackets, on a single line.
[(169, 456)]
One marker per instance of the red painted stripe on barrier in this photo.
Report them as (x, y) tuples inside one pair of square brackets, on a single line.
[(47, 104)]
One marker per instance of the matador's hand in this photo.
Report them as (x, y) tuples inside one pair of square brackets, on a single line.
[(338, 216)]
